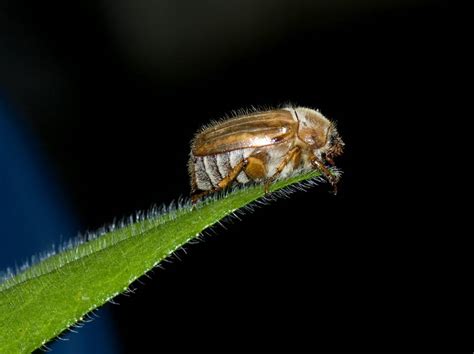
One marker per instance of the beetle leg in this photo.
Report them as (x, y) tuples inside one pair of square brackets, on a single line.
[(293, 154), (225, 182), (198, 195), (330, 160), (318, 164)]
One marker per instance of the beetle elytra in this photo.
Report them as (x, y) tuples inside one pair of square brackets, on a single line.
[(262, 147)]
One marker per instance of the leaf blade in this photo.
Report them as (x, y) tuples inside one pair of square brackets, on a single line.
[(38, 304)]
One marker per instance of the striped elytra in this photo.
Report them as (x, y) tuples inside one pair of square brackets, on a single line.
[(262, 147)]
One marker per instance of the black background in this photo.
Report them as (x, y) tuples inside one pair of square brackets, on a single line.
[(378, 263)]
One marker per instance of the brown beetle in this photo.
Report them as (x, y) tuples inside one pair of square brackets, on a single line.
[(262, 147)]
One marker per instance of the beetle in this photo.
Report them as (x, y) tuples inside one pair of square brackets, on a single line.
[(261, 147)]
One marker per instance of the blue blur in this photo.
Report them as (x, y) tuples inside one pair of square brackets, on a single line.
[(33, 216)]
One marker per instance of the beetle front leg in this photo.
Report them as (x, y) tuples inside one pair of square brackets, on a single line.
[(319, 165)]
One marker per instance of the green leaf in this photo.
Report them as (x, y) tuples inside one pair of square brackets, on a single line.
[(45, 299)]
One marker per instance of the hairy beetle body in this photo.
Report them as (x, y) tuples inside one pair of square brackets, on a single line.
[(262, 147)]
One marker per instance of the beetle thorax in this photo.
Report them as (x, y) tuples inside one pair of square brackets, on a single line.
[(313, 127)]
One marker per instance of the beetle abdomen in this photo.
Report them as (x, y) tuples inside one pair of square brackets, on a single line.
[(209, 170)]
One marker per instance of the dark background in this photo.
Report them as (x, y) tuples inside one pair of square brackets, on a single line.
[(113, 91)]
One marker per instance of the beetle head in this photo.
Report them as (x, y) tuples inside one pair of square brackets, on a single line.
[(334, 145)]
